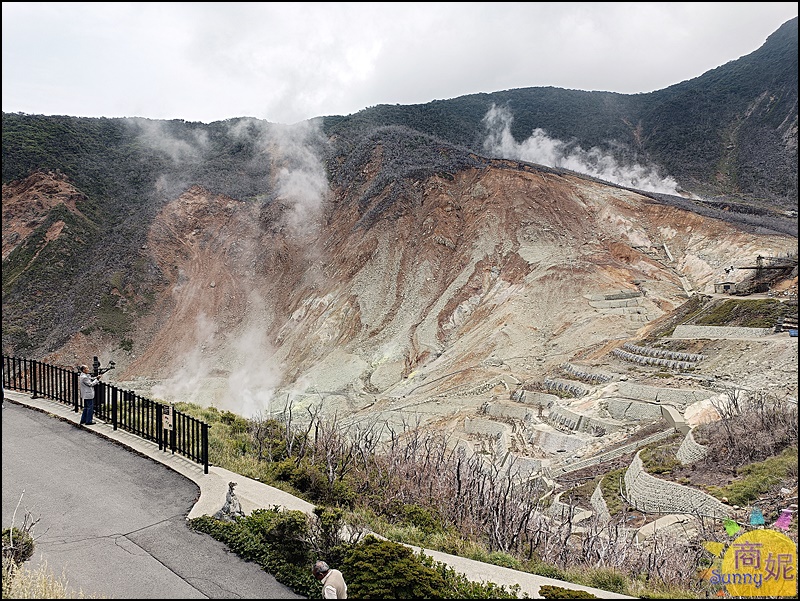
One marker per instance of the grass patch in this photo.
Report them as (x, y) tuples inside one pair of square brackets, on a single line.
[(661, 459), (762, 313), (758, 478), (610, 487), (20, 582)]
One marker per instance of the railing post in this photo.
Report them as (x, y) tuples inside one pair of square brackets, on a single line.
[(114, 407), (76, 394), (160, 426), (33, 379), (204, 435), (99, 401)]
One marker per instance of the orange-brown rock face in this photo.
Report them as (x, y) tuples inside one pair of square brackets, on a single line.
[(499, 270), (27, 203), (490, 272)]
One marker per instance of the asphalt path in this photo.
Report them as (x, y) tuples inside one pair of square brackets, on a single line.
[(111, 522)]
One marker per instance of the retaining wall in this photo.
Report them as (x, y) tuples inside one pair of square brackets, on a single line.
[(647, 360), (625, 410), (511, 412), (690, 450), (497, 431), (599, 505), (662, 353), (532, 397), (663, 395), (564, 417), (608, 455), (554, 442), (585, 376), (565, 386), (648, 493)]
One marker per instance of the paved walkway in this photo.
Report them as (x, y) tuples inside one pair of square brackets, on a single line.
[(112, 523), (102, 550)]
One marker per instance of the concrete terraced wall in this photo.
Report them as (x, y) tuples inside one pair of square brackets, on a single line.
[(495, 430), (485, 427), (554, 442), (648, 493), (577, 422), (511, 412), (663, 395), (662, 353), (532, 397), (574, 466), (598, 503), (567, 386), (690, 450), (477, 390), (619, 302), (613, 295), (585, 376), (625, 410), (522, 467), (647, 360)]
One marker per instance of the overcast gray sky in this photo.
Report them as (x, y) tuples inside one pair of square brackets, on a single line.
[(290, 61)]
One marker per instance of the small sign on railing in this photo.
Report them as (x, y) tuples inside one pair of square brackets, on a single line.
[(166, 417)]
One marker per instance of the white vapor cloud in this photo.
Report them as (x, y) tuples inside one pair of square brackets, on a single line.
[(301, 183), (233, 367), (541, 149)]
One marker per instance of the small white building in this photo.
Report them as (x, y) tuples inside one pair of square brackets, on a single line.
[(724, 287)]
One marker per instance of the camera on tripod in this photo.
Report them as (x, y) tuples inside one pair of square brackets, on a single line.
[(97, 370)]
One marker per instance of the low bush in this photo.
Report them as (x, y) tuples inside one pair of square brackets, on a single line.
[(17, 545), (548, 591)]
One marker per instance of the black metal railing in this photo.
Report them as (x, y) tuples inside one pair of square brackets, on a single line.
[(123, 409)]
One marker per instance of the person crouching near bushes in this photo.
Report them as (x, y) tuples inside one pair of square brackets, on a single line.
[(333, 585)]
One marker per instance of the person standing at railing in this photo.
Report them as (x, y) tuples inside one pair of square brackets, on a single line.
[(86, 384)]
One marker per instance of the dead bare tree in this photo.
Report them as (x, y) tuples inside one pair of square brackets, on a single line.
[(19, 546), (260, 433), (752, 426)]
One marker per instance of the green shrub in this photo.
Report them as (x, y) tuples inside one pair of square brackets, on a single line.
[(378, 569), (745, 313), (548, 591), (548, 571), (608, 579), (275, 539), (17, 545), (504, 560), (421, 517), (285, 532), (325, 533)]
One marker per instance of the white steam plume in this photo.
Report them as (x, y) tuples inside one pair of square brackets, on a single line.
[(233, 367), (254, 373), (301, 181), (541, 149), (187, 383), (156, 136)]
